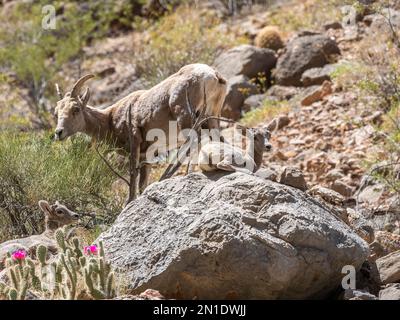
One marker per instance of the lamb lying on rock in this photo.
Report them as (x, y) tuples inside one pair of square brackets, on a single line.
[(223, 156), (56, 216)]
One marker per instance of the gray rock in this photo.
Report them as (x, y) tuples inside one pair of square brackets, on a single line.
[(333, 25), (317, 76), (245, 60), (358, 295), (230, 235), (293, 177), (343, 188), (389, 267), (283, 92), (380, 24), (254, 101), (303, 53), (390, 292), (239, 88)]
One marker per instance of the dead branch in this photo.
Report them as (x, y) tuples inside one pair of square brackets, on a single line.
[(110, 166)]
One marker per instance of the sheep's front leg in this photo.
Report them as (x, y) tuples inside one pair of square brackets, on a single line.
[(144, 177)]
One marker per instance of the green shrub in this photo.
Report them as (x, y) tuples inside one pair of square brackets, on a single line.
[(34, 56), (183, 37), (32, 167)]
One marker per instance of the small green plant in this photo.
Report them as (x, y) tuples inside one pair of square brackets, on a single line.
[(77, 272), (268, 110)]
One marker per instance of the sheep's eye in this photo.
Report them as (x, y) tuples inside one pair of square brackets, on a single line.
[(59, 212), (76, 111)]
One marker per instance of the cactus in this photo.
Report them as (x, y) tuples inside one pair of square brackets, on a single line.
[(269, 38), (74, 274), (99, 278), (60, 238), (41, 254)]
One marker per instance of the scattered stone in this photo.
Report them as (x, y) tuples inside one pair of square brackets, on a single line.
[(283, 92), (389, 267), (360, 225), (328, 195), (351, 294), (390, 242), (245, 60), (254, 102), (267, 173), (371, 194), (360, 135), (317, 76), (316, 93), (390, 292), (149, 294), (293, 177), (279, 123), (334, 174), (380, 25), (303, 53), (343, 188), (333, 25)]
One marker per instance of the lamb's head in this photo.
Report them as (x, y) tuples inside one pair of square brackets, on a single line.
[(261, 139), (57, 215), (70, 110)]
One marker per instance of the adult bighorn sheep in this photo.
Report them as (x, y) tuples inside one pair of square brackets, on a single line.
[(193, 86), (56, 216)]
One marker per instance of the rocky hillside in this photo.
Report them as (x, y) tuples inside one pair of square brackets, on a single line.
[(327, 195)]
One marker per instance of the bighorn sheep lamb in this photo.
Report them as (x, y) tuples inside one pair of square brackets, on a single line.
[(56, 216), (223, 156), (170, 100)]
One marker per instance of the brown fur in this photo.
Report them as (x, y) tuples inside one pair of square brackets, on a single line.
[(151, 109), (56, 216)]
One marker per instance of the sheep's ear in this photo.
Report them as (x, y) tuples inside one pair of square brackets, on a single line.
[(272, 125), (45, 207), (85, 97)]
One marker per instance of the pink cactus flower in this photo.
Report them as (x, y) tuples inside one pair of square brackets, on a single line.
[(19, 254), (90, 250)]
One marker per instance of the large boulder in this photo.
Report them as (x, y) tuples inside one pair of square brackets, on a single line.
[(231, 236), (239, 88), (245, 60), (303, 53)]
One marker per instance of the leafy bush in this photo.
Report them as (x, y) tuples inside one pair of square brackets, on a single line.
[(32, 56), (32, 167), (183, 37)]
